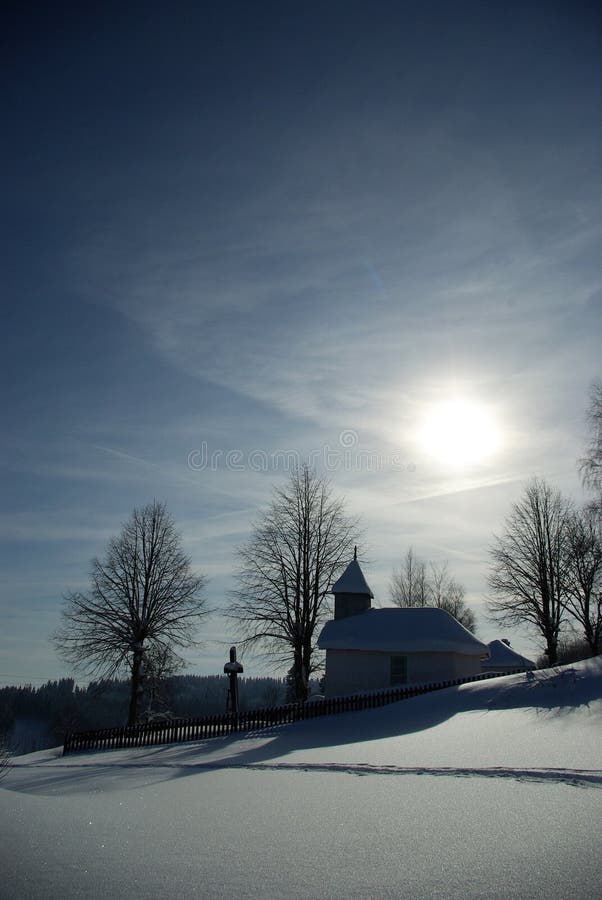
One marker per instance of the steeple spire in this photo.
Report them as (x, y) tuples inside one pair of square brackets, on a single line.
[(352, 594)]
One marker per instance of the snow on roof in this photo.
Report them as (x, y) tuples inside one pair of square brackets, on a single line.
[(352, 581), (500, 654), (401, 631)]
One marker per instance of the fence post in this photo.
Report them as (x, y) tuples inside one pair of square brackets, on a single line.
[(179, 730)]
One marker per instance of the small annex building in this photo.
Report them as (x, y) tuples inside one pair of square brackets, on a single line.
[(367, 649), (502, 658)]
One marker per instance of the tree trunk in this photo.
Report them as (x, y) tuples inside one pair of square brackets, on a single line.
[(300, 677), (306, 668), (593, 640), (135, 684), (552, 651)]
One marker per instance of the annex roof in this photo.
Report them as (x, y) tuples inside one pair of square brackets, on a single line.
[(352, 581), (500, 654), (401, 631)]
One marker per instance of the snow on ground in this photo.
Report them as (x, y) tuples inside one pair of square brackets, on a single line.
[(489, 790)]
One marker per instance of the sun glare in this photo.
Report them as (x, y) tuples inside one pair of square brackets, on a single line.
[(459, 432)]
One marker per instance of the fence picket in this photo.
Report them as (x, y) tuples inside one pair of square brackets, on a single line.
[(180, 730)]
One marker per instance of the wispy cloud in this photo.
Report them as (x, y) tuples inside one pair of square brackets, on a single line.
[(269, 263)]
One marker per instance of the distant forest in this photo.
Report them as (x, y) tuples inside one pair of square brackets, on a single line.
[(36, 718)]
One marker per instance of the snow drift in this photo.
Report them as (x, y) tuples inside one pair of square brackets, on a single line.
[(490, 789)]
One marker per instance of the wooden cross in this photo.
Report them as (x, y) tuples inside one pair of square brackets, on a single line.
[(233, 669)]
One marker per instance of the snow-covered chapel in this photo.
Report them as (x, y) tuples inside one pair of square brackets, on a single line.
[(368, 648)]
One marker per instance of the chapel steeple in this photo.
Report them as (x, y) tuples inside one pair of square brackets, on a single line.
[(352, 594)]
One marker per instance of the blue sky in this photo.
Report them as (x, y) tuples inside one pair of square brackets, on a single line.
[(282, 227)]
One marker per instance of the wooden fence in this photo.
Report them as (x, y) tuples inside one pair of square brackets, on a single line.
[(179, 730)]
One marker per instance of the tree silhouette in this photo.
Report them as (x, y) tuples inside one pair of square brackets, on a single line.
[(144, 599), (590, 465), (296, 550), (528, 564), (415, 585)]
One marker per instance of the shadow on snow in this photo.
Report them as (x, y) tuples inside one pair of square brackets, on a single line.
[(549, 694)]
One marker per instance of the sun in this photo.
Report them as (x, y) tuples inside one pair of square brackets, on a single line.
[(459, 432)]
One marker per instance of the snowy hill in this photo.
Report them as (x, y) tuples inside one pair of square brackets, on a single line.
[(489, 790)]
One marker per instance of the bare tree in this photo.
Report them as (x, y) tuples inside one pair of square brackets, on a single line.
[(160, 665), (449, 595), (590, 465), (584, 575), (439, 579), (409, 586), (296, 550), (527, 577), (416, 585), (143, 600)]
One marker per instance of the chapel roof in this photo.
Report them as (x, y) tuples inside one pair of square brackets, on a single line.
[(500, 654), (352, 581), (394, 630)]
